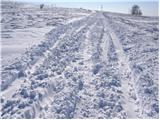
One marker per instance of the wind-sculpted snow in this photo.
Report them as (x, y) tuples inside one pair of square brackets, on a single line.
[(96, 67)]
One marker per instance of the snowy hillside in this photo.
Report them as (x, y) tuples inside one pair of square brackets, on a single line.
[(87, 64)]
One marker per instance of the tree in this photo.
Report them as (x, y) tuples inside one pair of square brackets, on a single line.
[(41, 6), (136, 10), (140, 12)]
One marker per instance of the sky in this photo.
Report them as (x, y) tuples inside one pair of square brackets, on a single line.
[(148, 7)]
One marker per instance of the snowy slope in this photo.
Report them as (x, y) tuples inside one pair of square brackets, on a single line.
[(25, 25), (103, 65)]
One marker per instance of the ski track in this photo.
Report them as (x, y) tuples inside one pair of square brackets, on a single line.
[(84, 54)]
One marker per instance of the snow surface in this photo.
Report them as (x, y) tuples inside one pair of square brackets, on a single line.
[(25, 25), (78, 64)]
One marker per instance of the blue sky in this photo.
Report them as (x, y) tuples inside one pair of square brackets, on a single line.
[(149, 7), (88, 0)]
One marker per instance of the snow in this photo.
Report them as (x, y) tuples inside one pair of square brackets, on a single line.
[(75, 63), (16, 45), (124, 65), (22, 30)]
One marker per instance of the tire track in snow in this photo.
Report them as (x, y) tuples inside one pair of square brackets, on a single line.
[(128, 82), (49, 99), (128, 37), (41, 60), (86, 72), (66, 91), (105, 43), (49, 96), (11, 74), (85, 107), (75, 90), (75, 30), (16, 84)]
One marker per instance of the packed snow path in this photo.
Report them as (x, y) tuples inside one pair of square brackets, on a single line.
[(101, 66)]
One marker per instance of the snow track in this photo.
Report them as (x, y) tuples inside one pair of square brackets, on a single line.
[(82, 71), (128, 78)]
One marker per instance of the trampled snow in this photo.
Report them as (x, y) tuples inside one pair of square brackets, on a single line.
[(77, 63)]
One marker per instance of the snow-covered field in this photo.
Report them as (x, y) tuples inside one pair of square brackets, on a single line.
[(25, 25), (76, 63)]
